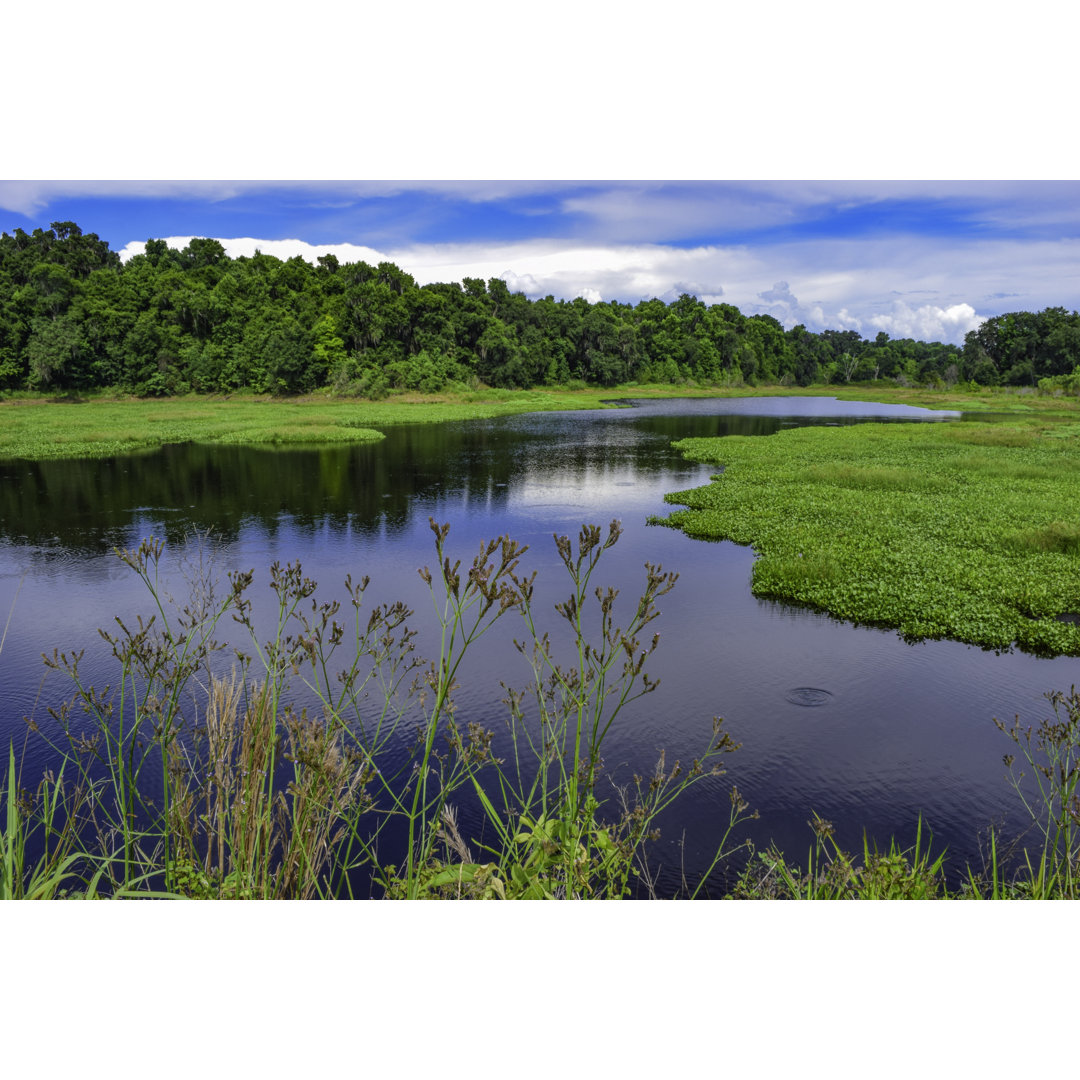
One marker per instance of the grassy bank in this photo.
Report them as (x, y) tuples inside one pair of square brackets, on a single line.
[(968, 531), (103, 425)]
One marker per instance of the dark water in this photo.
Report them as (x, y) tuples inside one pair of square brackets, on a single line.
[(847, 722)]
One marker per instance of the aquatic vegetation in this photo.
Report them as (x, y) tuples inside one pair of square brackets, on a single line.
[(102, 425), (1051, 751), (101, 428), (902, 525)]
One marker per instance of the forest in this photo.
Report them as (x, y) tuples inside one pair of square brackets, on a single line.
[(73, 318)]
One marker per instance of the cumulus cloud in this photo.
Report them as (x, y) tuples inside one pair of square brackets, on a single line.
[(928, 322), (780, 293), (246, 246), (628, 272), (524, 283)]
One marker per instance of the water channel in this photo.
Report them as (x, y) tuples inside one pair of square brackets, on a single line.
[(847, 722)]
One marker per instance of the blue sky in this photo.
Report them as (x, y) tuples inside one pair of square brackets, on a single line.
[(914, 258)]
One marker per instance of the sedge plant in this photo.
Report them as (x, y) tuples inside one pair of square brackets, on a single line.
[(332, 755), (1051, 750), (561, 829)]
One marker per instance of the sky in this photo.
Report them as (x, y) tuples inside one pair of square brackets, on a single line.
[(922, 259)]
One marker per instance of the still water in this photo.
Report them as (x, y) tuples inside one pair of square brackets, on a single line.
[(847, 722)]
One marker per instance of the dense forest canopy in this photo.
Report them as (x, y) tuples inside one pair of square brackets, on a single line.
[(73, 317)]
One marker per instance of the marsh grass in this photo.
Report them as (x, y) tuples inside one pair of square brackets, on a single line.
[(237, 833), (873, 478), (1004, 435), (188, 781), (1049, 792), (1005, 469), (800, 572), (43, 821), (104, 427)]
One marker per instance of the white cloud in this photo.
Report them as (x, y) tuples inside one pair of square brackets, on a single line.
[(32, 196), (280, 249), (780, 293), (525, 283), (928, 322), (641, 212)]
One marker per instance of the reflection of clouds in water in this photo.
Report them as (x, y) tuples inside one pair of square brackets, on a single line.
[(594, 486)]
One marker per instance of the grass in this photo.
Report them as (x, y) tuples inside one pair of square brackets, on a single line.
[(103, 425), (969, 531), (185, 781), (830, 873)]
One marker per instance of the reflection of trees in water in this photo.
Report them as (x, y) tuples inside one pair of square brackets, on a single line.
[(705, 427), (89, 506), (85, 505)]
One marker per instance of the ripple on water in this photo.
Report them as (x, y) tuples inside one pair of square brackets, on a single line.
[(808, 696)]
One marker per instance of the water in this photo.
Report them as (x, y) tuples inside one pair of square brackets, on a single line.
[(847, 722)]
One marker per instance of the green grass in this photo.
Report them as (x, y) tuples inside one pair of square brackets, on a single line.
[(103, 425), (185, 782), (254, 799), (966, 531)]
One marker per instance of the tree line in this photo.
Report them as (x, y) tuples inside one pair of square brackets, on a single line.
[(168, 321)]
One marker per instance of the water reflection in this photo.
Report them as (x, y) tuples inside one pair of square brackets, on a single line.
[(88, 506)]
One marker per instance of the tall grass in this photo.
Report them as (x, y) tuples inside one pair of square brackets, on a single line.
[(1051, 751), (200, 777), (554, 835), (830, 873)]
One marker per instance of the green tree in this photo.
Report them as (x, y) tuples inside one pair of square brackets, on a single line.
[(54, 351)]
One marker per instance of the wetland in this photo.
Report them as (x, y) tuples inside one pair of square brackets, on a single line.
[(836, 715)]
